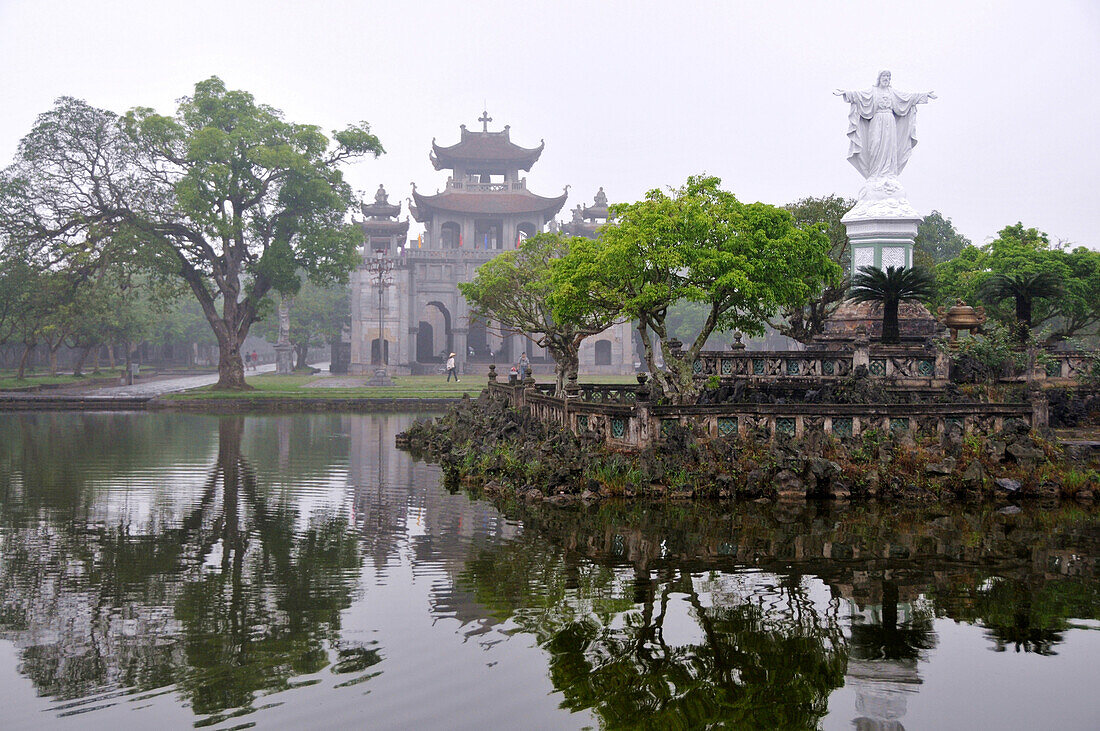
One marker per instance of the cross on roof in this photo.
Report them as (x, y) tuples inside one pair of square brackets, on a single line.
[(485, 119)]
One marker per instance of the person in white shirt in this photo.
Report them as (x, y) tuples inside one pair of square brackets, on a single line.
[(451, 368)]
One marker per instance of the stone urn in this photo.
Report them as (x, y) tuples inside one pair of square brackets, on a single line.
[(962, 316)]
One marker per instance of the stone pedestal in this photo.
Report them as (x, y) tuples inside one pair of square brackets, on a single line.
[(915, 322), (881, 229), (881, 240), (284, 359), (380, 378)]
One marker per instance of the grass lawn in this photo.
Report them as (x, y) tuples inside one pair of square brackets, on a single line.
[(8, 380), (268, 385), (271, 386)]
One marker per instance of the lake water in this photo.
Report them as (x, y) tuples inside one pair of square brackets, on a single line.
[(170, 571)]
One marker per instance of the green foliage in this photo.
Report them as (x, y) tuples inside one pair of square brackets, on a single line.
[(743, 262), (807, 321), (224, 194), (937, 241), (522, 291), (1022, 265), (993, 354), (985, 357), (890, 288), (1023, 288)]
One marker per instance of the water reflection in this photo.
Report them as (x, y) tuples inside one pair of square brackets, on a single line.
[(235, 595), (301, 567), (776, 607)]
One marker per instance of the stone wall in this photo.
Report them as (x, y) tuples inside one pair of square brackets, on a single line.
[(624, 415)]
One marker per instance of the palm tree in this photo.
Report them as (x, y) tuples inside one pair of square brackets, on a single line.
[(890, 288), (1024, 289)]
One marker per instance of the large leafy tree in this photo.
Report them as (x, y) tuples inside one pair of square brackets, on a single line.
[(1056, 287), (889, 289), (803, 323), (518, 291), (1077, 309), (1024, 289), (742, 261), (224, 194), (937, 241)]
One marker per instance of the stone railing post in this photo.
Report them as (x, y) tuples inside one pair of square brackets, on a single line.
[(861, 354), (643, 412), (492, 373), (942, 370), (572, 396), (527, 384), (1040, 408)]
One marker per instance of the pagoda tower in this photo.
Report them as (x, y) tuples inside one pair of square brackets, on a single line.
[(484, 210), (375, 330), (382, 232), (486, 205)]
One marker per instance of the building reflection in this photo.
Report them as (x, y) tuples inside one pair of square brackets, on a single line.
[(400, 505), (225, 592), (219, 557)]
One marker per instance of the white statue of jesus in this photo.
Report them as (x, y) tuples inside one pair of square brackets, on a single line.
[(882, 127)]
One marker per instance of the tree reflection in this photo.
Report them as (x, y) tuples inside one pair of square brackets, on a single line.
[(682, 615), (1028, 615), (238, 596), (752, 662)]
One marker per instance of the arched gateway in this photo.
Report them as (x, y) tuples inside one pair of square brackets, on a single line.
[(484, 209)]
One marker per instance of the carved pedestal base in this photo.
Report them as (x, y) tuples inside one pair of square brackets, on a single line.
[(380, 378), (284, 359), (915, 322)]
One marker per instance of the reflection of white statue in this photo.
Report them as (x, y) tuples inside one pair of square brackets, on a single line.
[(882, 127)]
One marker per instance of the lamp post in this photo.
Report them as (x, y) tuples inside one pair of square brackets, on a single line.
[(381, 271)]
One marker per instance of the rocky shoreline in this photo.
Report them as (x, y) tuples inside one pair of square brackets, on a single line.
[(485, 444)]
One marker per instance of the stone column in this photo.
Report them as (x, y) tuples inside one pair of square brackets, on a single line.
[(861, 355), (943, 366), (572, 396), (460, 351), (284, 351)]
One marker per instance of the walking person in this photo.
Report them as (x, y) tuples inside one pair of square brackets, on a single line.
[(451, 368), (255, 359), (247, 361), (524, 364)]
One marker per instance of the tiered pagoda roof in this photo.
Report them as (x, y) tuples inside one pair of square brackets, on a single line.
[(380, 217), (511, 203), (488, 149), (476, 158), (587, 219)]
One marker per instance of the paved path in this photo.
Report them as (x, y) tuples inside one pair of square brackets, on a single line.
[(166, 385)]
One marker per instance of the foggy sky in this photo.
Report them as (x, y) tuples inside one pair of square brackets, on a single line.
[(627, 95)]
